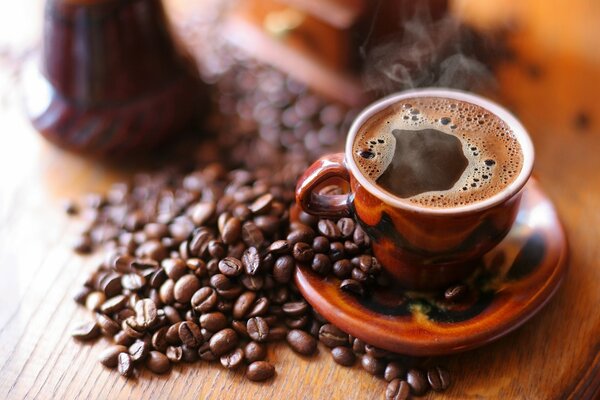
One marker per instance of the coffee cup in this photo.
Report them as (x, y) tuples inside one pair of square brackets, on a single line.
[(435, 179)]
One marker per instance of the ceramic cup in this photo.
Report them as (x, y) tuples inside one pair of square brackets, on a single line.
[(422, 248)]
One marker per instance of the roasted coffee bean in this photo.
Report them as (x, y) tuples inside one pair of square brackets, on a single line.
[(171, 314), (114, 304), (251, 260), (343, 356), (262, 204), (352, 286), (157, 362), (298, 322), (283, 269), (231, 231), (372, 365), (332, 336), (455, 293), (280, 295), (223, 341), (376, 351), (157, 278), (174, 354), (320, 244), (220, 282), (83, 244), (216, 249), (243, 304), (159, 339), (295, 308), (260, 371), (132, 282), (252, 235), (225, 306), (139, 350), (202, 212), (167, 292), (315, 326), (269, 224), (198, 266), (86, 331), (109, 357), (175, 268), (258, 329), (185, 288), (70, 207), (151, 249), (146, 314), (351, 248), (417, 380), (301, 342), (321, 264), (198, 244), (336, 251), (438, 378), (300, 233), (232, 359), (302, 252), (172, 335), (260, 307), (240, 328), (189, 354), (329, 229), (125, 365), (204, 300), (214, 321), (360, 237), (254, 283), (81, 294), (107, 325), (359, 275), (254, 351), (123, 339), (132, 328), (205, 353), (394, 370), (346, 227), (397, 389), (230, 266), (94, 300), (342, 268), (279, 247), (190, 334)]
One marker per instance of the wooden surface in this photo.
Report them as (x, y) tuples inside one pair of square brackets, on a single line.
[(555, 78)]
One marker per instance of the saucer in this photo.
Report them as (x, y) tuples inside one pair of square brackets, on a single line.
[(514, 281)]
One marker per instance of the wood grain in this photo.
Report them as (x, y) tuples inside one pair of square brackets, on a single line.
[(556, 355)]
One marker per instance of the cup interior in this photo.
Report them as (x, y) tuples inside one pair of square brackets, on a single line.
[(506, 193)]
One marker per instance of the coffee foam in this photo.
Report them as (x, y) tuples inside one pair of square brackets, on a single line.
[(489, 144)]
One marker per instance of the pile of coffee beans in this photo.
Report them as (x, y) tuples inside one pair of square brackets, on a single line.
[(198, 263)]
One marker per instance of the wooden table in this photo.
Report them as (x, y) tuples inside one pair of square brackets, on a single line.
[(553, 86)]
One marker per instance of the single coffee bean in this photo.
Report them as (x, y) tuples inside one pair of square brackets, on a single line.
[(397, 389), (260, 307), (359, 275), (232, 359), (260, 371), (190, 334), (336, 251), (172, 335), (223, 341), (109, 356), (132, 328), (320, 244), (171, 314), (125, 365), (157, 278), (301, 342), (302, 252), (254, 351), (86, 331), (83, 244), (351, 248), (252, 235), (214, 321), (231, 230), (146, 313), (189, 354), (283, 269), (107, 325), (328, 229), (417, 380), (372, 365), (133, 281), (455, 293), (81, 294), (94, 300), (279, 247), (352, 286), (258, 329), (376, 351), (332, 336), (204, 300), (342, 268), (300, 233), (262, 204), (198, 244), (253, 282), (185, 288), (321, 264), (393, 371), (230, 266), (123, 339), (243, 304), (295, 308), (343, 356), (157, 362), (251, 261), (298, 322), (174, 354), (220, 282), (202, 212), (114, 304), (216, 249), (167, 291), (360, 237), (159, 339), (346, 227), (438, 378), (139, 350)]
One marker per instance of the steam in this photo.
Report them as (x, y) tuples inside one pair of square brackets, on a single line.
[(427, 52)]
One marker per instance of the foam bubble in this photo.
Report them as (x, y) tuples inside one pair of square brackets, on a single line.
[(490, 146)]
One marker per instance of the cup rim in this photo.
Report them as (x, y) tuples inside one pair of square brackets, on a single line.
[(508, 192)]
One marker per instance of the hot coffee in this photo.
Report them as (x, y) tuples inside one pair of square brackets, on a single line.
[(438, 152)]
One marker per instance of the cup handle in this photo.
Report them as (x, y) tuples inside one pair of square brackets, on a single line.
[(327, 206)]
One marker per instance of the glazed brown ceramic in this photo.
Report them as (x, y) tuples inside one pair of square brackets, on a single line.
[(512, 283), (111, 77), (422, 248)]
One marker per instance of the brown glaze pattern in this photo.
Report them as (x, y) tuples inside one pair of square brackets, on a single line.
[(112, 78), (512, 283)]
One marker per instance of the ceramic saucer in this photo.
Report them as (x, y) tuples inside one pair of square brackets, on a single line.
[(513, 282)]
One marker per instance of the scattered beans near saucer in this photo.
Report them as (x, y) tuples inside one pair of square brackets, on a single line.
[(199, 262)]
